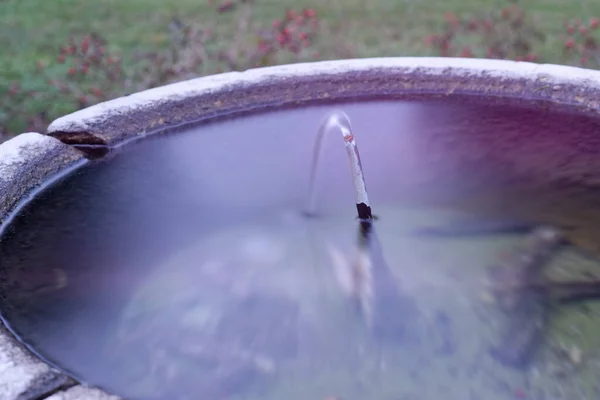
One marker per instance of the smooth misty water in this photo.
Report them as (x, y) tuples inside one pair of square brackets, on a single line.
[(182, 267)]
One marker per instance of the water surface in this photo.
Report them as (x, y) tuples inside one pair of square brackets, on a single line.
[(181, 267)]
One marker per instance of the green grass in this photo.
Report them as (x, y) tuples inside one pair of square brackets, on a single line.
[(32, 30)]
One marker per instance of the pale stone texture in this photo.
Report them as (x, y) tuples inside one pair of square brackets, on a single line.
[(26, 163), (18, 369), (144, 112)]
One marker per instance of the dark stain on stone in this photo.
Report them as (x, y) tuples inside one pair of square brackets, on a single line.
[(93, 152), (78, 138), (46, 385)]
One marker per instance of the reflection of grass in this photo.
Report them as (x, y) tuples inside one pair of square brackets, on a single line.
[(443, 275), (412, 369)]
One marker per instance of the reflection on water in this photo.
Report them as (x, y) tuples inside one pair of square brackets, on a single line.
[(303, 341), (182, 268)]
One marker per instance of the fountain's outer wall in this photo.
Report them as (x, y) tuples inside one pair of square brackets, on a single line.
[(26, 163), (31, 159)]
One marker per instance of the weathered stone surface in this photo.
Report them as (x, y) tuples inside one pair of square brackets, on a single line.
[(51, 381), (18, 369), (26, 162), (260, 89), (82, 393)]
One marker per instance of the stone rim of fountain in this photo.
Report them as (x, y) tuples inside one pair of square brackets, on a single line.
[(259, 89), (31, 160)]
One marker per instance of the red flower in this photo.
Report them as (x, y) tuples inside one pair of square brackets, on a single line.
[(85, 44), (569, 43), (97, 92), (531, 57), (263, 47), (310, 13), (466, 52), (280, 38), (225, 6)]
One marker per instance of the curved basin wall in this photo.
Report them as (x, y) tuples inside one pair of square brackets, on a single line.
[(31, 160)]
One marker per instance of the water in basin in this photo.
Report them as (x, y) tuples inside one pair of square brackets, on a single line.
[(182, 265)]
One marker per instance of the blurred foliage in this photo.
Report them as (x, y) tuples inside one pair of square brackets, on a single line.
[(91, 65)]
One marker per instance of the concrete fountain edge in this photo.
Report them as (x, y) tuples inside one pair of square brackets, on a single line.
[(144, 112)]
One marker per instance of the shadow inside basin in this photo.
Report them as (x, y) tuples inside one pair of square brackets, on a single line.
[(181, 267)]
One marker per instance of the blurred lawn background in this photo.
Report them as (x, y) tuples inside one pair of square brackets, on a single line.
[(32, 32)]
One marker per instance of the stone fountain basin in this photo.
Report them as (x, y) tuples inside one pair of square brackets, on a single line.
[(31, 160)]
